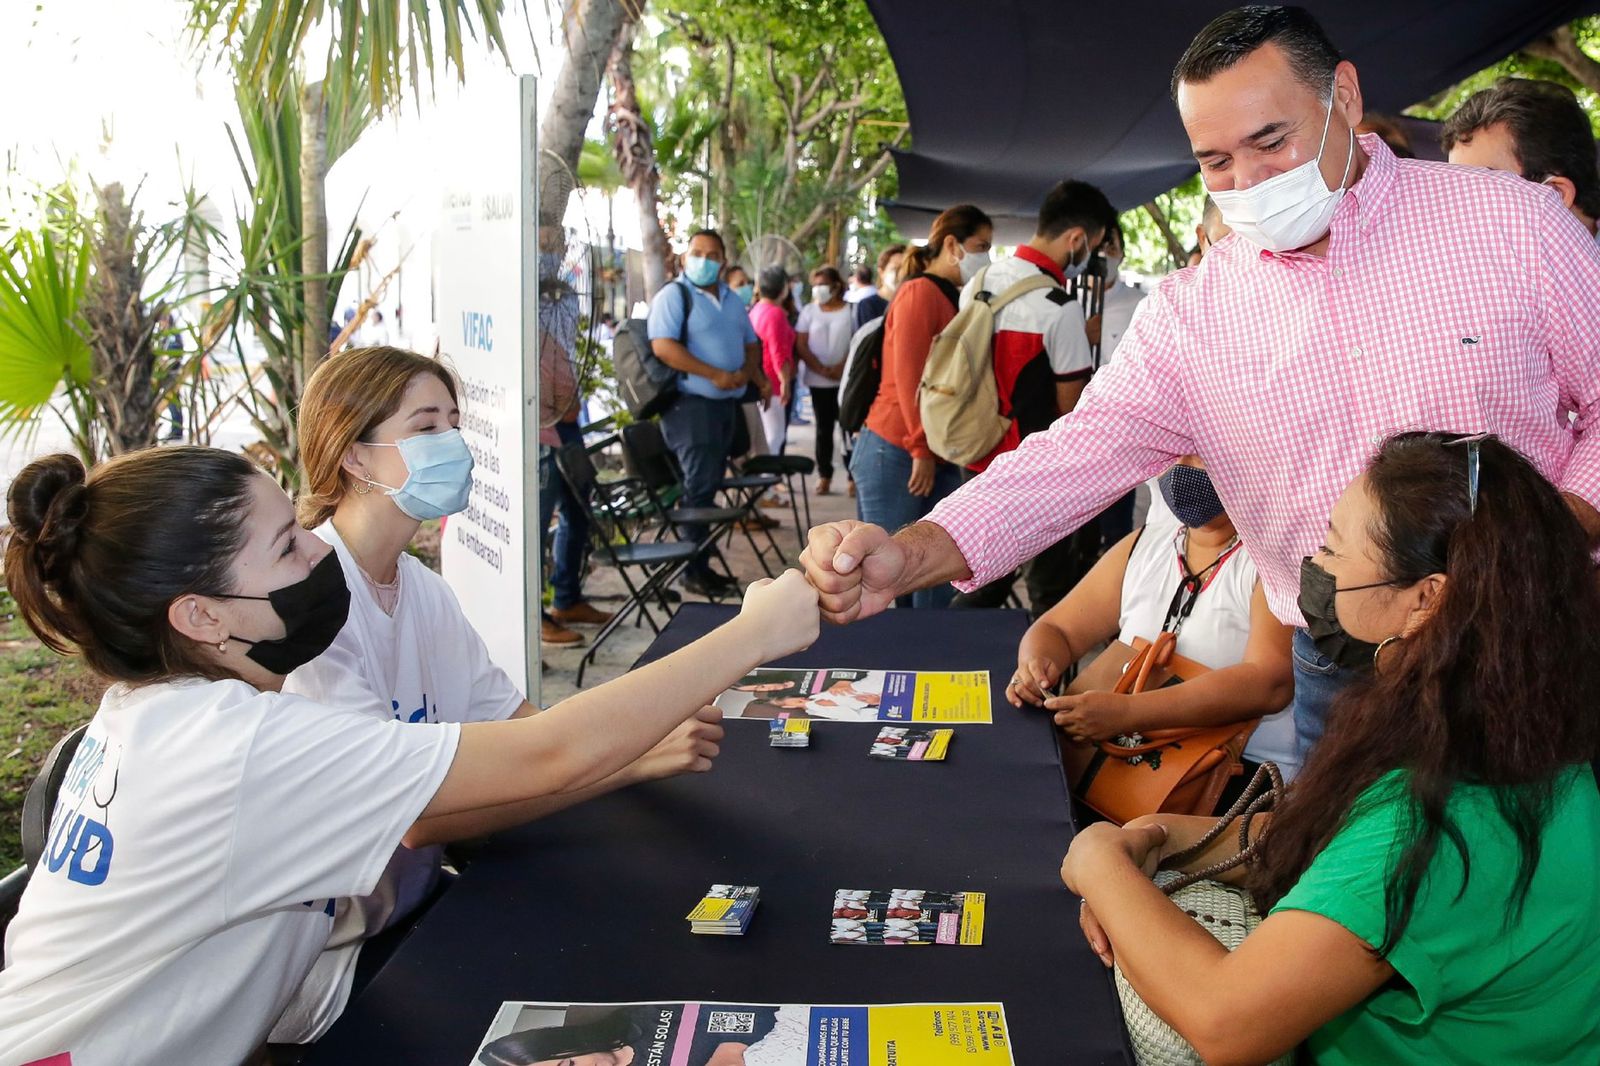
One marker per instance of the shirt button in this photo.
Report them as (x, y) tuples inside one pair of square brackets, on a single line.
[(1338, 272), (1355, 353)]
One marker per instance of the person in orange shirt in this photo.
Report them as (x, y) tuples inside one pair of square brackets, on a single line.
[(898, 478)]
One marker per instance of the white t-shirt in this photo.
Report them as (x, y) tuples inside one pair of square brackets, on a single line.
[(425, 663), (828, 335), (1214, 634), (1121, 301), (199, 838)]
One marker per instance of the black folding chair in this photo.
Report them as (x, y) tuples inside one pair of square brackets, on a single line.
[(790, 468), (646, 456), (653, 463), (656, 563), (40, 802)]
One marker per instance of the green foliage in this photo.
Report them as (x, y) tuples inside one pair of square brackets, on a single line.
[(1145, 248), (371, 48), (1521, 65), (265, 298), (771, 117), (44, 270)]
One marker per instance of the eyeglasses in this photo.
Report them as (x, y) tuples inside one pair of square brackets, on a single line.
[(1472, 442)]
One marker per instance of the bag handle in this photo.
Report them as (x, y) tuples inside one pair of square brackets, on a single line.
[(1015, 292), (1251, 802)]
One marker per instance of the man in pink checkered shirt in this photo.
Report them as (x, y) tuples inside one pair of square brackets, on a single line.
[(1429, 297)]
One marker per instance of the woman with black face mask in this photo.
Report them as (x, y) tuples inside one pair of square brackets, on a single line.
[(1184, 572), (1428, 886), (208, 820)]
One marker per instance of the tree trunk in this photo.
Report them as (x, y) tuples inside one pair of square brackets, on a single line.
[(1562, 47), (590, 29), (636, 155), (314, 228), (1179, 254)]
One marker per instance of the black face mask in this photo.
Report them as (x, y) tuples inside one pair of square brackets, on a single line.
[(313, 611), (1317, 593)]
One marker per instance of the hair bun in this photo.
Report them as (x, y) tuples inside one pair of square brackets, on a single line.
[(47, 505)]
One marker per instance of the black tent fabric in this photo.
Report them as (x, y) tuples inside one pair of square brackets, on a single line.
[(1008, 97)]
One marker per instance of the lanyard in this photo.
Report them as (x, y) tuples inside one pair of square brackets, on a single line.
[(1189, 589)]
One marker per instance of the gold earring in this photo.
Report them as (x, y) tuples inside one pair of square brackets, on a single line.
[(364, 489), (1379, 649)]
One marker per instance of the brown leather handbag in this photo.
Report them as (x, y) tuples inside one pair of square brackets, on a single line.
[(1172, 771)]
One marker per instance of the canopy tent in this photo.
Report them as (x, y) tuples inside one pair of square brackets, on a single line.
[(1008, 97)]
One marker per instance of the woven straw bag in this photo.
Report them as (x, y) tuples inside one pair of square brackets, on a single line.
[(1225, 912)]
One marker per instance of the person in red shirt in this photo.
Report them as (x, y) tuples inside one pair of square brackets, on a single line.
[(898, 478), (1042, 361)]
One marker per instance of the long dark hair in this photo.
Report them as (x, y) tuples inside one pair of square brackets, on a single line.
[(1496, 687), (960, 222), (93, 559), (610, 1032)]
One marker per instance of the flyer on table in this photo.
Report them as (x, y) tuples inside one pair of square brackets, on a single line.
[(861, 695), (748, 1034)]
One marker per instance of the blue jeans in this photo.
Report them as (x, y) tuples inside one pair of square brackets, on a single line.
[(700, 431), (881, 471), (1317, 680), (572, 535)]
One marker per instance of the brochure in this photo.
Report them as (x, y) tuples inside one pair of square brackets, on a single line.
[(726, 909), (747, 1034), (900, 696), (912, 745), (907, 916)]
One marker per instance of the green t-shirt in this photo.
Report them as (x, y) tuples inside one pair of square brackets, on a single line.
[(1480, 990)]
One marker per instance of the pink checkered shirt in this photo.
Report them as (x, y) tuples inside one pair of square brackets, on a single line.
[(1450, 299)]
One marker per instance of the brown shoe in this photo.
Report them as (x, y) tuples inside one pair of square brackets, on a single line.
[(557, 635), (582, 614), (824, 486), (775, 502), (850, 488), (757, 523)]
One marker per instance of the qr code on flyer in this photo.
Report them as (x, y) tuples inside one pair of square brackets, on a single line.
[(731, 1021)]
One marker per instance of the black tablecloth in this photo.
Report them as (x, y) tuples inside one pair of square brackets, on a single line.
[(589, 905)]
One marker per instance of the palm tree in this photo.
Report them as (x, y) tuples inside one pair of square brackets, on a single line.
[(373, 48)]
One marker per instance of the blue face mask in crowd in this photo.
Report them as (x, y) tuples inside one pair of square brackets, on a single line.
[(439, 475), (700, 270), (747, 294), (1191, 495), (1073, 268)]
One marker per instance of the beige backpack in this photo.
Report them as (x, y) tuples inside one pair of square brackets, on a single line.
[(959, 398)]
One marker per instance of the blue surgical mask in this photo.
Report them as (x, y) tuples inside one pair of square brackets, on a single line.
[(439, 475), (1074, 269), (747, 294), (700, 270)]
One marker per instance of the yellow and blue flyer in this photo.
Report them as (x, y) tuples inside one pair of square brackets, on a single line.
[(895, 696), (728, 1034)]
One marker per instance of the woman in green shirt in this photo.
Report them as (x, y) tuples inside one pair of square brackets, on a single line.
[(1430, 883)]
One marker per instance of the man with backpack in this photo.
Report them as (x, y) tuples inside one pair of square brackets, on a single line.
[(1039, 361), (698, 327)]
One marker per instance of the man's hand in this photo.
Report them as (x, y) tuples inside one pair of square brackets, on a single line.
[(1092, 329), (729, 380), (855, 567), (688, 749), (921, 481)]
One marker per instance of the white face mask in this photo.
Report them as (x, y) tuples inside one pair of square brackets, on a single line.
[(821, 294), (1288, 210), (1113, 265), (887, 282), (971, 263)]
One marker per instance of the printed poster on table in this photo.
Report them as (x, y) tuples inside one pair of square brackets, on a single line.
[(747, 1034), (861, 695)]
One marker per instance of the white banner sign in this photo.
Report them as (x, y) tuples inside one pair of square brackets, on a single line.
[(485, 300)]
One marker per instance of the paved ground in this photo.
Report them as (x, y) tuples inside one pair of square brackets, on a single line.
[(626, 644)]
